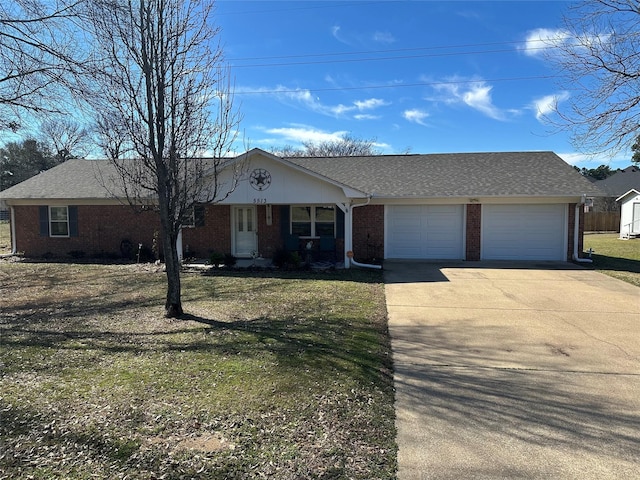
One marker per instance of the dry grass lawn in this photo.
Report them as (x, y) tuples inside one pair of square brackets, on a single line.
[(271, 376), (614, 257), (5, 237)]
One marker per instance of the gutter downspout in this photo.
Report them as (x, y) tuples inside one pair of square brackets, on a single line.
[(350, 253), (576, 233)]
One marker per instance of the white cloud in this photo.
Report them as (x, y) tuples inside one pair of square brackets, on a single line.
[(573, 158), (415, 115), (306, 99), (370, 104), (337, 34), (542, 39), (302, 133), (548, 104), (383, 37), (354, 39), (478, 97), (475, 94), (366, 116)]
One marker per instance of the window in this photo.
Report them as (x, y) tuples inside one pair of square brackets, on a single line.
[(194, 217), (313, 221), (59, 221)]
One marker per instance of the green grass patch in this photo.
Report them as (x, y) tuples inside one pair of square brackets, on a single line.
[(614, 257), (279, 376)]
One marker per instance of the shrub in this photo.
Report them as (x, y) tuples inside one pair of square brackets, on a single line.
[(229, 260), (216, 259), (285, 259)]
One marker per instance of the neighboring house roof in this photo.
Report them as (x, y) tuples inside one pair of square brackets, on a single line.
[(517, 174), (456, 174), (620, 182), (631, 193)]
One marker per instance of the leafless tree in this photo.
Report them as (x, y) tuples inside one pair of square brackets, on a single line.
[(40, 57), (345, 146), (163, 89), (597, 56), (66, 138)]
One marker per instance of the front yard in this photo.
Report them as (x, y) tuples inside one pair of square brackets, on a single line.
[(272, 376), (614, 257)]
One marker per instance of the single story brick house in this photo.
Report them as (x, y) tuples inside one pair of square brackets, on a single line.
[(463, 206)]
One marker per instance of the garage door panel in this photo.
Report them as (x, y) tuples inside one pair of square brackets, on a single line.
[(424, 231), (523, 232)]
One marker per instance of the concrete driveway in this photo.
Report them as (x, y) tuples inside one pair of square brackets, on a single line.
[(517, 371)]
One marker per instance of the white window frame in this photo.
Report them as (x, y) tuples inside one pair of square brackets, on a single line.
[(52, 221), (313, 219)]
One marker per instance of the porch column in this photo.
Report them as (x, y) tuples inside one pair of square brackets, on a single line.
[(179, 245)]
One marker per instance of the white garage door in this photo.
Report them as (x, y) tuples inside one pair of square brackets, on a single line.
[(425, 231), (523, 232)]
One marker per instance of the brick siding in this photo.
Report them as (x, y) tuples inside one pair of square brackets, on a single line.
[(473, 232), (269, 236), (213, 236), (368, 232), (571, 230), (101, 230)]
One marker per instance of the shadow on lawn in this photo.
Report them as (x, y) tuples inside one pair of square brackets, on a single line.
[(604, 262), (347, 275), (316, 343)]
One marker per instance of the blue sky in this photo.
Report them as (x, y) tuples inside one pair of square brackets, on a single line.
[(416, 76)]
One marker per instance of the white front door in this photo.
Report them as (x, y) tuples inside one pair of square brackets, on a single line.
[(245, 231)]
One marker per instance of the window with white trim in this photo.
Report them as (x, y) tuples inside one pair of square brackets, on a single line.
[(59, 221), (313, 221)]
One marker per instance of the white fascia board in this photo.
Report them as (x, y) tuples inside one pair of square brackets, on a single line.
[(498, 199), (633, 191)]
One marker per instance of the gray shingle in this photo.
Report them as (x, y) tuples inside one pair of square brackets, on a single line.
[(537, 174), (456, 174), (73, 179), (620, 182)]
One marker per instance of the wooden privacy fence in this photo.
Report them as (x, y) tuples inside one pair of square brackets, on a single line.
[(602, 222)]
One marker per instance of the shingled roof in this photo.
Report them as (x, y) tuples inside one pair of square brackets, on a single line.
[(73, 179), (511, 174), (539, 174), (620, 182)]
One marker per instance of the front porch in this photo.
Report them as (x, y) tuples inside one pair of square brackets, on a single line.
[(311, 234)]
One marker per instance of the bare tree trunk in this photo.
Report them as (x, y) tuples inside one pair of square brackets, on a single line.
[(173, 305)]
